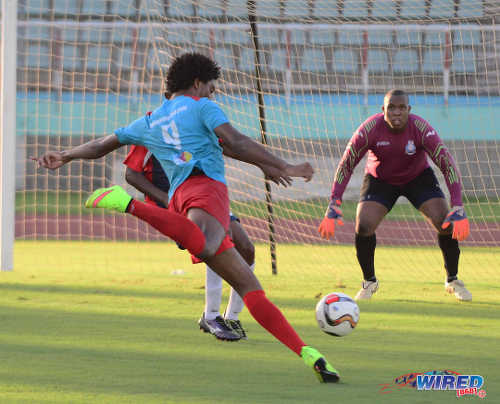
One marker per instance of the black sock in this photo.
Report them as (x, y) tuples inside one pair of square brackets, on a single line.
[(451, 253), (365, 251)]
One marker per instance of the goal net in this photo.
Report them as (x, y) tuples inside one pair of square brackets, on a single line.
[(87, 67)]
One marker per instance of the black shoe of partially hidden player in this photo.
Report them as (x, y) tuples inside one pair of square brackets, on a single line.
[(237, 328), (218, 328)]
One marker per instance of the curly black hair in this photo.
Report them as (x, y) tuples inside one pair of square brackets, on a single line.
[(188, 67)]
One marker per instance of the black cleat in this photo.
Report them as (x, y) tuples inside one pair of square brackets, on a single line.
[(323, 373), (218, 328), (237, 328)]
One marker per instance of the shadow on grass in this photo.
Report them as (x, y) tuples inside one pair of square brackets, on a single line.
[(475, 309), (92, 290), (460, 310)]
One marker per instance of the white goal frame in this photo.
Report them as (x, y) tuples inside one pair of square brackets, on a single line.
[(8, 135)]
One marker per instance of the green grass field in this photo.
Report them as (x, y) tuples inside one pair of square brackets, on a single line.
[(84, 322)]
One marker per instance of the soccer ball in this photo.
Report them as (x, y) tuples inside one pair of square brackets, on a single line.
[(337, 314)]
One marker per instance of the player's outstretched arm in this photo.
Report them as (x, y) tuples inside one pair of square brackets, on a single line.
[(91, 150), (271, 173), (142, 184), (243, 148), (440, 155)]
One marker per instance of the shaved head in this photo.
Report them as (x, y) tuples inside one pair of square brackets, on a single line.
[(395, 92)]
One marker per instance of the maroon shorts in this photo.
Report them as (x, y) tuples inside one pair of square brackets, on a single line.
[(202, 192)]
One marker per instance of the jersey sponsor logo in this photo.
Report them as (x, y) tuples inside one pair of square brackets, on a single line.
[(431, 133), (186, 156), (410, 148), (183, 158), (383, 143)]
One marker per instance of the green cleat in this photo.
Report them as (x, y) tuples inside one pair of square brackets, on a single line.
[(112, 198), (325, 372)]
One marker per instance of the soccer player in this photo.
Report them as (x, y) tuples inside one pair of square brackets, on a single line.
[(144, 173), (183, 133), (398, 144)]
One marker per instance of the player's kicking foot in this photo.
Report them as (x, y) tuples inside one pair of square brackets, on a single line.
[(112, 198), (218, 328), (458, 288), (325, 372), (237, 328), (367, 290)]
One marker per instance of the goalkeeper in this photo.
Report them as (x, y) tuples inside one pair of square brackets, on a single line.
[(397, 143)]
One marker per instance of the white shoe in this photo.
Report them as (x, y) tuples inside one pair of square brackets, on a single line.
[(458, 288), (368, 289)]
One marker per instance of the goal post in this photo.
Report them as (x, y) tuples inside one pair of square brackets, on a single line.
[(252, 19), (87, 67), (8, 127)]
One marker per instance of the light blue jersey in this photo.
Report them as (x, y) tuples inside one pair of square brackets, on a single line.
[(180, 134)]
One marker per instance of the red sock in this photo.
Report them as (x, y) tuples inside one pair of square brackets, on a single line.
[(271, 318), (171, 224)]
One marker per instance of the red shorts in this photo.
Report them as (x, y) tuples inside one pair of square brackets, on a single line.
[(202, 192)]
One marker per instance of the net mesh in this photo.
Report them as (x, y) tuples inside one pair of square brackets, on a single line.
[(87, 67)]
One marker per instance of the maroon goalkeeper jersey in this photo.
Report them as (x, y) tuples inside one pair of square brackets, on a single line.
[(396, 157)]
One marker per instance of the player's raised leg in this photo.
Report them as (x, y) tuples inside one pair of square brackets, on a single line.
[(171, 224), (435, 210), (368, 216)]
